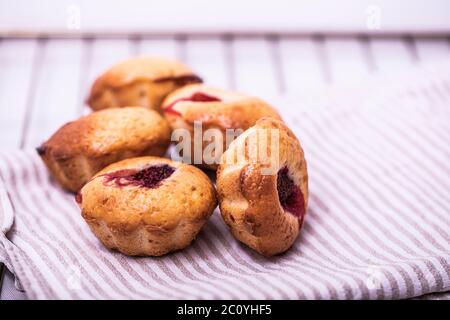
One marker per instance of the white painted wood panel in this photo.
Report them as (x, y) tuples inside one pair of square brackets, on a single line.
[(163, 47), (208, 58), (433, 50), (254, 67), (57, 90), (391, 55), (103, 53), (16, 63), (301, 64), (346, 59)]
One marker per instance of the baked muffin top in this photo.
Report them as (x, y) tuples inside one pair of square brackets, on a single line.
[(142, 68), (153, 192), (108, 131), (215, 107)]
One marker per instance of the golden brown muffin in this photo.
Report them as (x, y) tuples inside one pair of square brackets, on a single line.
[(81, 148), (215, 109), (140, 81), (264, 199), (147, 206)]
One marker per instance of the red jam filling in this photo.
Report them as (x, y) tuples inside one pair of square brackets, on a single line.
[(195, 97), (150, 177), (181, 80), (290, 195)]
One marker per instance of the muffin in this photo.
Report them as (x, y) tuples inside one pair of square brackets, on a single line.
[(217, 111), (147, 206), (81, 148), (140, 81), (263, 200)]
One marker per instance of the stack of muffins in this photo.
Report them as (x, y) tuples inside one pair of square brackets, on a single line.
[(140, 203)]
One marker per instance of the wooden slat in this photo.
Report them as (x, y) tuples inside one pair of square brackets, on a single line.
[(347, 63), (254, 69), (275, 53), (16, 63), (85, 80), (391, 55), (106, 52), (103, 54), (433, 50), (57, 90), (208, 58), (324, 59), (164, 47), (230, 61), (301, 64)]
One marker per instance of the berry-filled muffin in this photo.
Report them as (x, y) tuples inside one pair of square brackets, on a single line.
[(263, 199), (214, 109), (141, 81), (81, 148), (147, 206)]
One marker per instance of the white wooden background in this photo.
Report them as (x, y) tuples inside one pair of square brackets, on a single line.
[(236, 16), (43, 82)]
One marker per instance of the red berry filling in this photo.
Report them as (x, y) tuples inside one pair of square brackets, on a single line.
[(181, 80), (195, 97), (150, 177), (290, 195)]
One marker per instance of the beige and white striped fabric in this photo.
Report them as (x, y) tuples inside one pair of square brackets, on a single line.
[(378, 224)]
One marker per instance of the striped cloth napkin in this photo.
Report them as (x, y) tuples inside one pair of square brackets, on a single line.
[(377, 227)]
